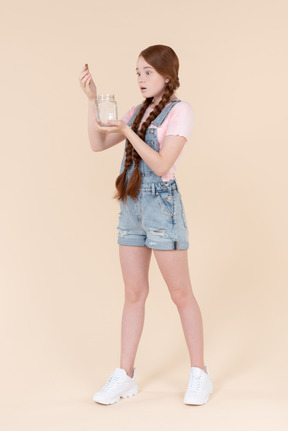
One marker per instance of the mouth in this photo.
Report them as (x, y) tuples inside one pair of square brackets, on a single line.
[(143, 88)]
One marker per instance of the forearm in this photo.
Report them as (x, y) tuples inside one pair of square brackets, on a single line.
[(96, 138), (151, 157)]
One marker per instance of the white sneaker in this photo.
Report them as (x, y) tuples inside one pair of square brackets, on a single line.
[(118, 385), (200, 387)]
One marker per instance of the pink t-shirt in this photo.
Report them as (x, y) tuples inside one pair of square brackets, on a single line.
[(178, 122)]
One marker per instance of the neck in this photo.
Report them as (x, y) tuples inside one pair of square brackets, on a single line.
[(157, 100)]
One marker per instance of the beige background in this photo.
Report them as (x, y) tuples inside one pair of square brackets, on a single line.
[(61, 287)]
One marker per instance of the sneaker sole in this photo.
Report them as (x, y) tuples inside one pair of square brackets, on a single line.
[(197, 403), (130, 393)]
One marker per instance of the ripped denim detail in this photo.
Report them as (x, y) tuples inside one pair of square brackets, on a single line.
[(122, 232), (158, 232)]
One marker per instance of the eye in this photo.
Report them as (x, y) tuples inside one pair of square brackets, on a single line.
[(138, 73), (148, 72)]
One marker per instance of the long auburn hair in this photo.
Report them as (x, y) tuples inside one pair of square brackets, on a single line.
[(165, 61)]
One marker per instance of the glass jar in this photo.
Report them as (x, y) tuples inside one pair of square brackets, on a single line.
[(106, 109)]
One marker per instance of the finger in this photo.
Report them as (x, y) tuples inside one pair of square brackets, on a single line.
[(98, 125), (85, 79), (101, 129), (104, 129), (84, 74), (107, 129), (113, 123)]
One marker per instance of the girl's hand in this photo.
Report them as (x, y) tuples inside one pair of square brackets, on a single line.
[(114, 127), (87, 84)]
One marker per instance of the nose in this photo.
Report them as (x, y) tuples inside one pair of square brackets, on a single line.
[(140, 79)]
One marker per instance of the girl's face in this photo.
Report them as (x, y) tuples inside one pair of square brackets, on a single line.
[(151, 83)]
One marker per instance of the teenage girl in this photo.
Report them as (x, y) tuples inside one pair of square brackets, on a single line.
[(151, 215)]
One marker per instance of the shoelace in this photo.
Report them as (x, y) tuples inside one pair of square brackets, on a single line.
[(110, 383), (194, 383)]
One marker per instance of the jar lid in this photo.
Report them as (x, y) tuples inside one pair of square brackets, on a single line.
[(107, 96)]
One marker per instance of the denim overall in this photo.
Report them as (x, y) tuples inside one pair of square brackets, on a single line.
[(156, 219)]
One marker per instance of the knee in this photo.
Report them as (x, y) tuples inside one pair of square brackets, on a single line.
[(136, 294), (181, 296)]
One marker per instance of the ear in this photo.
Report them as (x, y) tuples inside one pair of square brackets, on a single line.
[(167, 80)]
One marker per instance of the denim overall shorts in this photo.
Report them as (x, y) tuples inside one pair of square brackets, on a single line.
[(156, 219)]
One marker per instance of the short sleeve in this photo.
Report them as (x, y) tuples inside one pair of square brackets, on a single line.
[(127, 117), (180, 120)]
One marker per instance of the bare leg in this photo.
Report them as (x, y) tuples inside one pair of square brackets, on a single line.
[(135, 266), (174, 268)]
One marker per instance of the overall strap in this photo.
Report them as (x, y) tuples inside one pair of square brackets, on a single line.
[(163, 114)]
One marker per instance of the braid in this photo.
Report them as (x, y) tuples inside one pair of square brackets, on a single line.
[(130, 155), (156, 111), (135, 180), (132, 188), (140, 114), (121, 179)]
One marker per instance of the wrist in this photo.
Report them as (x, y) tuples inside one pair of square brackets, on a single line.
[(125, 130), (92, 99), (128, 132)]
